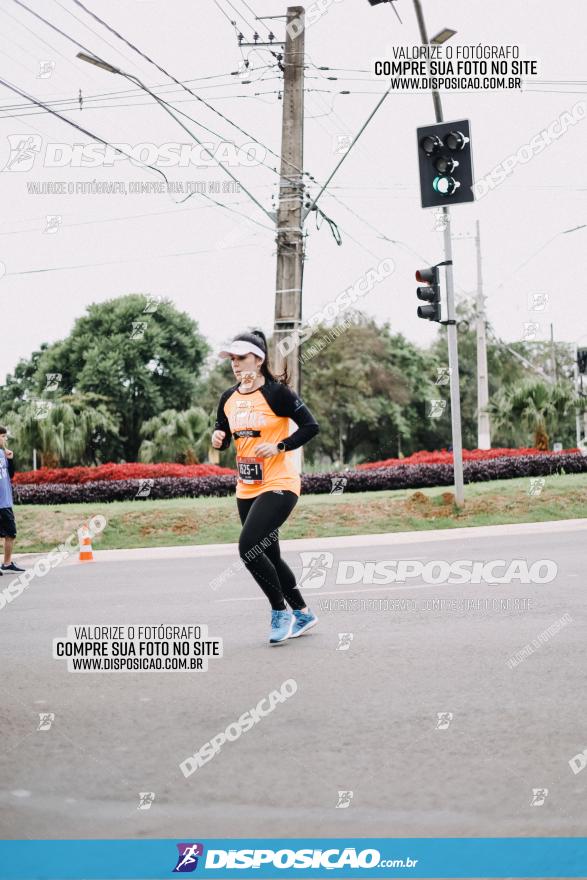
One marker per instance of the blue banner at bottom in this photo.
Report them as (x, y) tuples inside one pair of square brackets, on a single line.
[(308, 857)]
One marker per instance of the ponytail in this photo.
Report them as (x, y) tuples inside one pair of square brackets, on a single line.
[(258, 338)]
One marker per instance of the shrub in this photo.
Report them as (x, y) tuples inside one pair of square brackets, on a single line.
[(442, 456), (118, 472), (404, 476)]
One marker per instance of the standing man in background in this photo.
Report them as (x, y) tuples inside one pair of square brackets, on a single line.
[(7, 521)]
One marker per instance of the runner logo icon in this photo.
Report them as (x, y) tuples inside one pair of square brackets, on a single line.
[(188, 857), (314, 568)]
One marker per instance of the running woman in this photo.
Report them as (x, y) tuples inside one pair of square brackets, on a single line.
[(7, 522), (256, 413)]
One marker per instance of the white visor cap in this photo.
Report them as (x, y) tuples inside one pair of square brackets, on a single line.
[(240, 347)]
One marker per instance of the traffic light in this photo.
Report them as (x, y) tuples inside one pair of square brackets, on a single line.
[(446, 164), (582, 359), (430, 294)]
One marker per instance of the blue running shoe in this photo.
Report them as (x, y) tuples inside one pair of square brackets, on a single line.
[(281, 623), (304, 620)]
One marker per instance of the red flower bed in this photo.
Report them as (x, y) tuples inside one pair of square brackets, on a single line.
[(444, 457), (130, 471)]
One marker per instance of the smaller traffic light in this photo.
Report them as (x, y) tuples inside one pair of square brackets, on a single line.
[(433, 292), (582, 360), (430, 294)]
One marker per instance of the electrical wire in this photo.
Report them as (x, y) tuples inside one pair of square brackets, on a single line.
[(499, 342), (36, 229), (254, 95), (37, 37), (163, 103), (166, 106), (142, 54), (535, 254), (141, 259), (224, 13), (95, 33), (355, 139), (85, 131), (255, 16), (177, 82), (320, 215), (248, 24), (144, 164), (165, 88)]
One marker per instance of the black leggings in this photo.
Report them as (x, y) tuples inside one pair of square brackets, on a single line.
[(258, 546)]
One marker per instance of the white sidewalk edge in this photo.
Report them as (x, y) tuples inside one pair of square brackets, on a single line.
[(301, 544)]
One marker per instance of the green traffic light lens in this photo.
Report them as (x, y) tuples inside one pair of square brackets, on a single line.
[(445, 186)]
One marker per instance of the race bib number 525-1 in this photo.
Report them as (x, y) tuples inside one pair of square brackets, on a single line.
[(250, 470)]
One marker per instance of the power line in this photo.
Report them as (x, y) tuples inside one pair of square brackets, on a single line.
[(256, 17), (78, 127), (37, 37), (224, 13), (355, 139), (168, 87), (22, 49), (146, 165), (92, 31), (253, 96), (141, 259), (114, 219), (248, 24), (166, 73), (163, 103), (161, 69), (166, 106), (108, 95)]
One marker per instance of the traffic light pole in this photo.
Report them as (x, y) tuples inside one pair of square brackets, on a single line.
[(453, 364), (453, 352), (483, 423)]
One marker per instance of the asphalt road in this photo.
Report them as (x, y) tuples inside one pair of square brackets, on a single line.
[(364, 719)]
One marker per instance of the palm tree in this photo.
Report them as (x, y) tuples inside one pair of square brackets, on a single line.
[(69, 431), (175, 436), (536, 406)]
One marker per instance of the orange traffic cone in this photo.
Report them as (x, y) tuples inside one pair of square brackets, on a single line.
[(85, 547)]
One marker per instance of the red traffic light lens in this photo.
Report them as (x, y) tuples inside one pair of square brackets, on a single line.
[(426, 276)]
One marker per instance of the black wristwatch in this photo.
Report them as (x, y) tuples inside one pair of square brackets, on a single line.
[(281, 446)]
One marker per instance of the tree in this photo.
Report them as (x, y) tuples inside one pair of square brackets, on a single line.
[(68, 432), (208, 391), (25, 382), (354, 382), (175, 436), (138, 354), (539, 407)]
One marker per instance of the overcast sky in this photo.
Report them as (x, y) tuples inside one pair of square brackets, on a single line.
[(222, 271)]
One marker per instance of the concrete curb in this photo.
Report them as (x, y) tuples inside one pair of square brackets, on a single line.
[(303, 544)]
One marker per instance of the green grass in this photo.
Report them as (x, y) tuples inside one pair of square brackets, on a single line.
[(215, 520)]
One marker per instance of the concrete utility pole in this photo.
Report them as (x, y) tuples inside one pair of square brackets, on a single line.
[(453, 353), (290, 239), (578, 389), (553, 364), (483, 424)]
